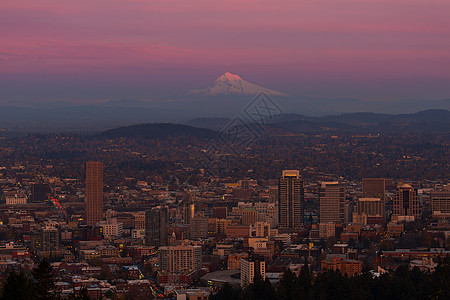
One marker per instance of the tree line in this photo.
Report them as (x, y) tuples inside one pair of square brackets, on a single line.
[(403, 283), (40, 285)]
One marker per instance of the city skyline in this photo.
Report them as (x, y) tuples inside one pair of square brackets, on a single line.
[(225, 150), (197, 232)]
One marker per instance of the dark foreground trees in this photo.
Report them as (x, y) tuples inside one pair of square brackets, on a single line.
[(403, 283), (259, 289), (226, 293), (40, 284), (17, 286)]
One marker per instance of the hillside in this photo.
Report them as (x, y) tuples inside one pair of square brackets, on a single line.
[(159, 131)]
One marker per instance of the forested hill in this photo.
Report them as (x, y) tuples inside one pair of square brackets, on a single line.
[(159, 131)]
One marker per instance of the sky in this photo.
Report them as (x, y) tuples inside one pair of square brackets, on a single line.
[(99, 50)]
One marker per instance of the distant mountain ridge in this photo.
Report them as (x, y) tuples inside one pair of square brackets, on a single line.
[(427, 120), (159, 131), (198, 111), (208, 128)]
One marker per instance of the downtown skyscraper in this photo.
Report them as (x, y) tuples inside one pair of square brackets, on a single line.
[(440, 202), (94, 192), (156, 221), (332, 203), (406, 204), (290, 200), (374, 188)]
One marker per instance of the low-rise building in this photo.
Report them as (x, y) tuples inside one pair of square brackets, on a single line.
[(345, 266)]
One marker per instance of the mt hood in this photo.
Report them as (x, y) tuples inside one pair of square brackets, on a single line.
[(229, 84)]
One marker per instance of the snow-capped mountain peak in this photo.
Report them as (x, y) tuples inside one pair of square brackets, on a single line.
[(227, 76), (230, 84)]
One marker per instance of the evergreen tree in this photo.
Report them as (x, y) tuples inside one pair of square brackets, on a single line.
[(304, 283), (44, 281), (420, 281), (440, 281), (361, 286), (402, 287), (260, 289), (269, 290), (226, 292), (286, 288)]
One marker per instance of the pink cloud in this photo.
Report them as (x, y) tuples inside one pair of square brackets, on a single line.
[(353, 38)]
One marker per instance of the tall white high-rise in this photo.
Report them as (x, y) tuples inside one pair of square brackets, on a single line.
[(251, 266)]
